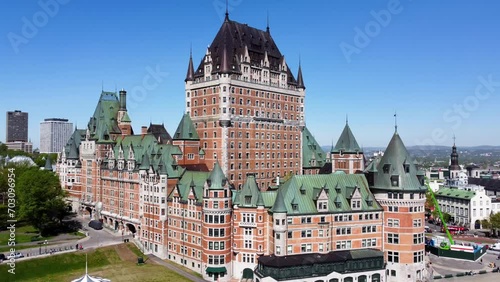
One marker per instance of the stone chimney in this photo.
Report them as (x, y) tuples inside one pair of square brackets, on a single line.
[(144, 130)]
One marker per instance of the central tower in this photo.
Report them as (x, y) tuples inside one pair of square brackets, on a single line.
[(247, 106)]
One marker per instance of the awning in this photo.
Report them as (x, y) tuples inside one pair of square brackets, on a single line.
[(216, 269), (247, 273)]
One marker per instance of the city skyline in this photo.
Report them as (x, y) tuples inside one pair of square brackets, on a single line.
[(446, 62)]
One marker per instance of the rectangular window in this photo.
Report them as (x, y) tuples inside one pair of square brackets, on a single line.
[(392, 238), (392, 256)]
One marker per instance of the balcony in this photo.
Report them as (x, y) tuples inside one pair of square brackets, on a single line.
[(248, 224)]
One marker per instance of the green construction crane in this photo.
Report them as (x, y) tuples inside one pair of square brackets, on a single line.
[(436, 206)]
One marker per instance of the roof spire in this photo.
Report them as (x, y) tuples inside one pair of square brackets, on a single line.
[(226, 19), (190, 72), (86, 268), (300, 80), (267, 27), (346, 119), (395, 122), (454, 139)]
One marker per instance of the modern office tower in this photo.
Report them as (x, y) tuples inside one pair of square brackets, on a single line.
[(54, 134), (17, 126)]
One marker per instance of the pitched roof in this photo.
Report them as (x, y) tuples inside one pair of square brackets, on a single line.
[(455, 193), (217, 179), (159, 131), (249, 195), (72, 147), (186, 129), (303, 190), (48, 163), (191, 181), (347, 142), (396, 163), (234, 41), (103, 122), (312, 154)]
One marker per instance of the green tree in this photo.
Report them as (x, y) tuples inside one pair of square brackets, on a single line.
[(485, 224), (446, 217), (40, 159), (41, 200), (495, 221)]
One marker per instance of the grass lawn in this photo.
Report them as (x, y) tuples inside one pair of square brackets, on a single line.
[(24, 234), (117, 263)]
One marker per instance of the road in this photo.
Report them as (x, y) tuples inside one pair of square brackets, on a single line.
[(95, 239)]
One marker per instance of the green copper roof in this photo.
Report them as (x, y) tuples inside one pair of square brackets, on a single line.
[(347, 143), (397, 165), (455, 193), (72, 148), (103, 122), (126, 118), (48, 164), (191, 183), (217, 179), (249, 196), (148, 152), (312, 154), (338, 189), (279, 204), (186, 129)]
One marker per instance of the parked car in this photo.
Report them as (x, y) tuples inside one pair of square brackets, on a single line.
[(96, 224), (2, 257), (15, 256)]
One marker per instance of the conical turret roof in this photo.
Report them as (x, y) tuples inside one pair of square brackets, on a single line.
[(347, 142), (396, 170), (186, 129)]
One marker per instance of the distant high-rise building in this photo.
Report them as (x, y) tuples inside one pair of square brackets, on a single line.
[(17, 126), (54, 134)]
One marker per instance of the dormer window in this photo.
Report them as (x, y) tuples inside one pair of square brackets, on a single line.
[(406, 168), (386, 168), (395, 181), (337, 205), (295, 207), (302, 191), (369, 203), (322, 206), (248, 200)]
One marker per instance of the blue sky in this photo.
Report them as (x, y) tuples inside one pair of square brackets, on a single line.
[(437, 63)]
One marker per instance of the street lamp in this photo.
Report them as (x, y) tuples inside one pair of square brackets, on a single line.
[(46, 243), (40, 247)]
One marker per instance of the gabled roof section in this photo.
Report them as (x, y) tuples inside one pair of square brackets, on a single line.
[(397, 165), (191, 183), (299, 195), (186, 129), (72, 147), (160, 133), (232, 41), (312, 154), (347, 142), (103, 122), (249, 195), (216, 180)]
